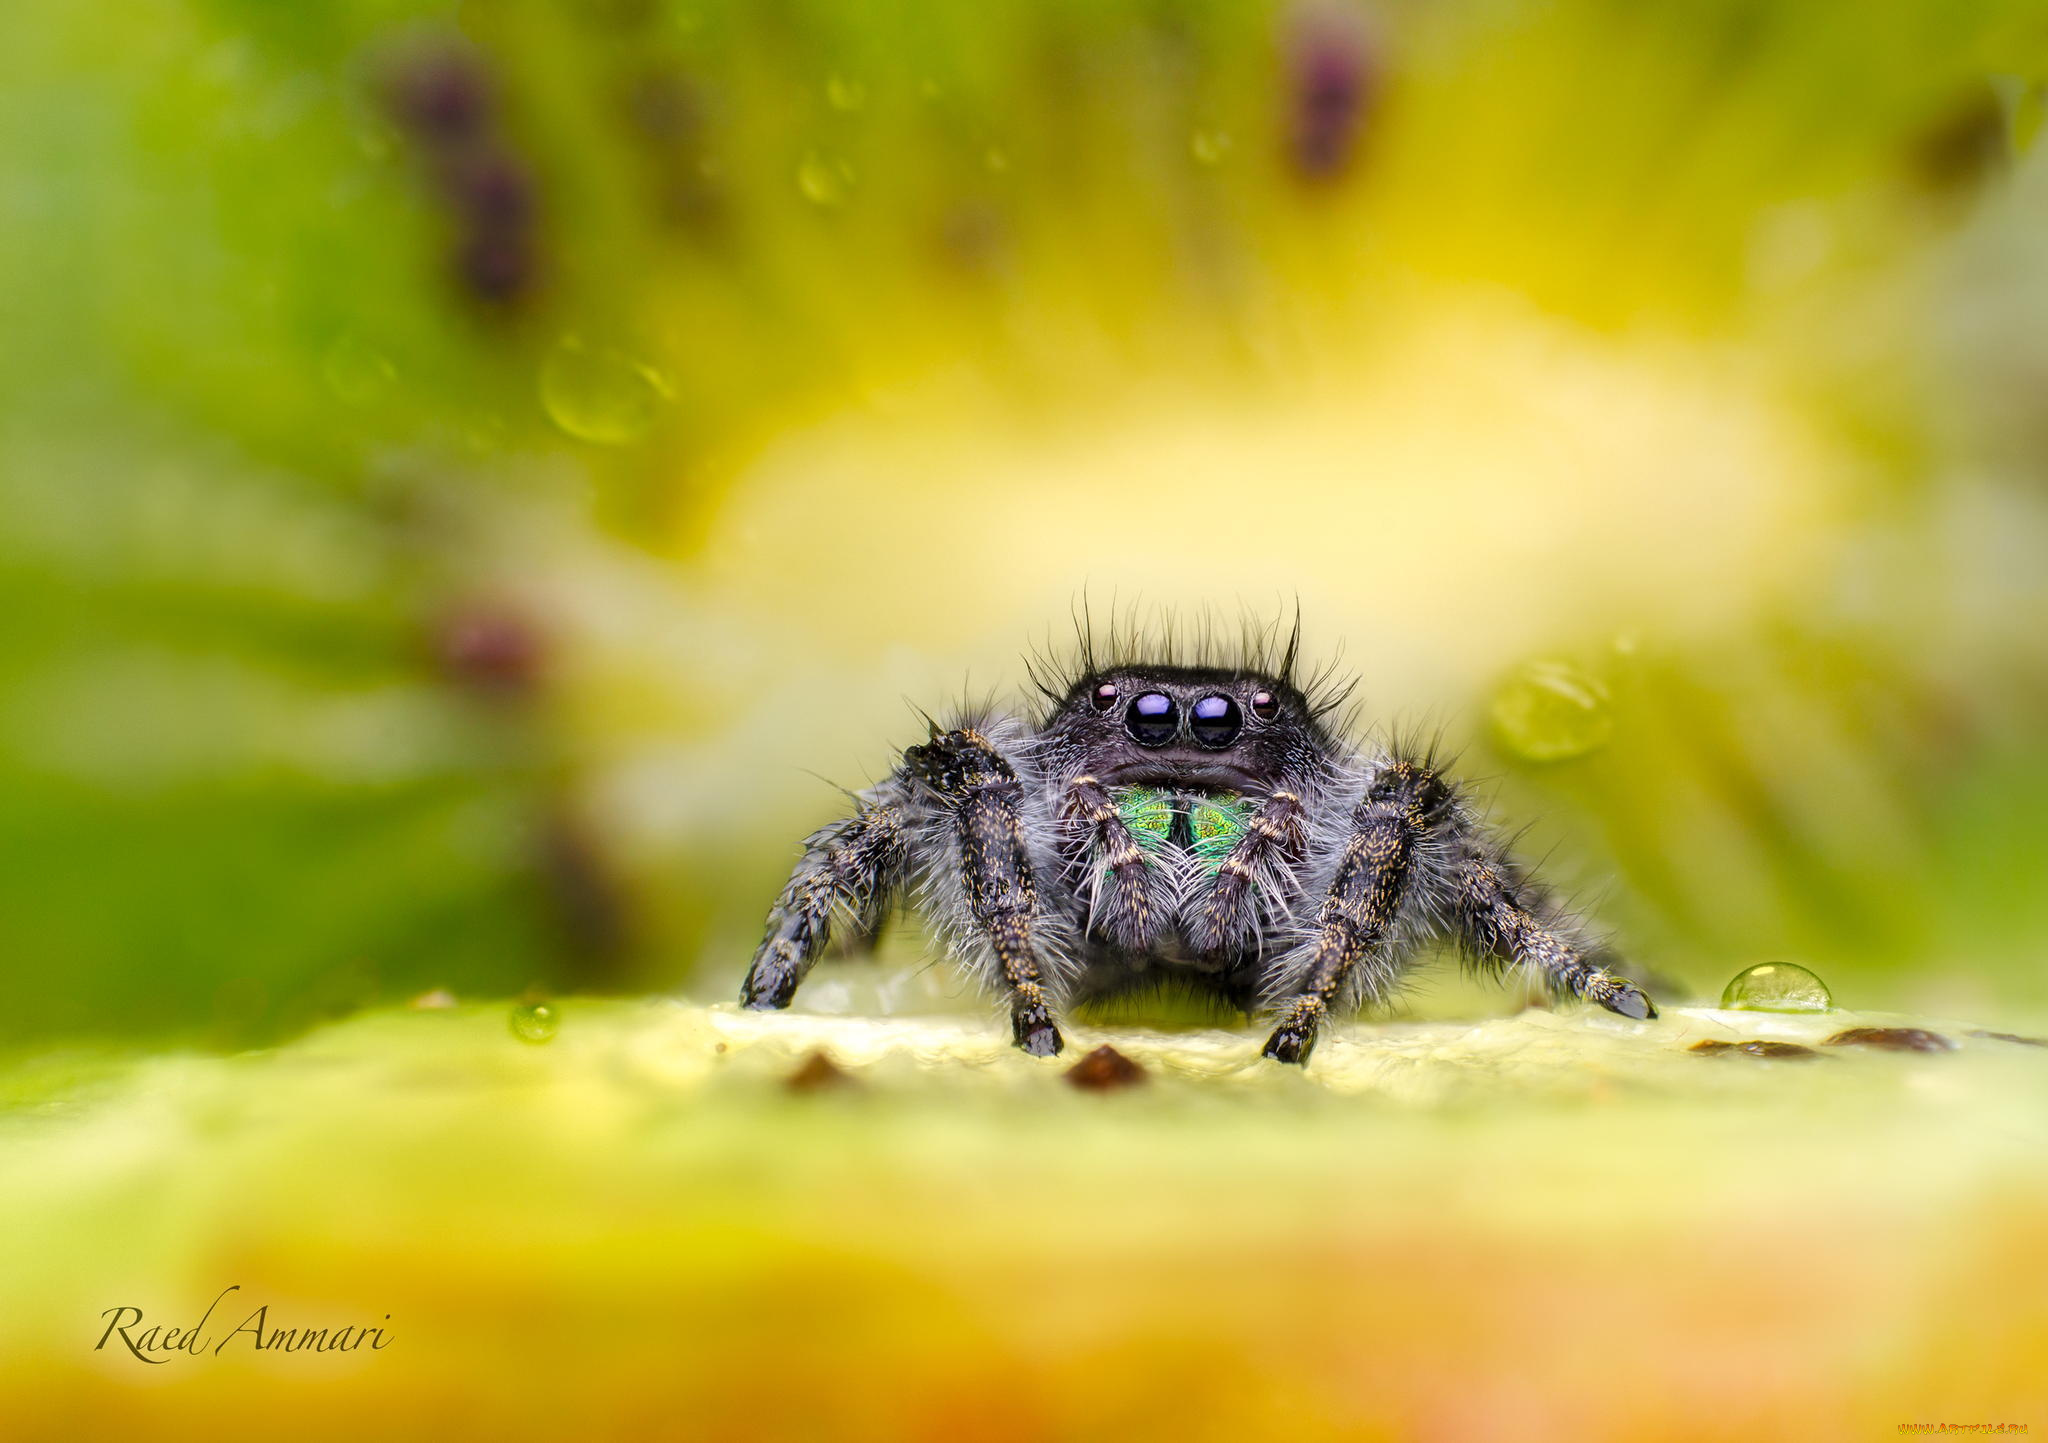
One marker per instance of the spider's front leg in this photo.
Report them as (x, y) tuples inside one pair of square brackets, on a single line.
[(977, 792), (1502, 920), (1374, 879), (1406, 808), (850, 869)]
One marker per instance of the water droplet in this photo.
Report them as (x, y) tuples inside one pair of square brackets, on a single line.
[(355, 372), (1776, 987), (995, 160), (535, 1021), (844, 93), (600, 395), (1210, 146), (1551, 712), (824, 179)]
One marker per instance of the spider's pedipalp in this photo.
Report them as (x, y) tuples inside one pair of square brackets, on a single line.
[(1112, 866)]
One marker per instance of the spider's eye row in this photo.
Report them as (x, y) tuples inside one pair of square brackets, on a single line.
[(1105, 696), (1215, 721), (1265, 706), (1152, 719)]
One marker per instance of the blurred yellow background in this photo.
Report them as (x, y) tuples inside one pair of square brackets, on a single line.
[(474, 476), (468, 468)]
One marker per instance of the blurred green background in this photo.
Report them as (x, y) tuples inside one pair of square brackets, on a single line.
[(463, 469)]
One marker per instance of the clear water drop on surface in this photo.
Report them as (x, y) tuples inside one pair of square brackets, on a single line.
[(844, 93), (824, 180), (535, 1021), (1776, 987), (1551, 712), (600, 395), (1209, 146)]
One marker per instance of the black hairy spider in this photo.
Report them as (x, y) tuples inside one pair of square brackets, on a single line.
[(1202, 822)]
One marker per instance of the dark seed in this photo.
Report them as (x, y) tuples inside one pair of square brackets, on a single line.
[(819, 1073), (1755, 1047), (489, 648), (1892, 1039), (1105, 1070), (2011, 1037), (592, 913), (492, 188), (1963, 145), (1334, 79), (442, 95), (495, 267)]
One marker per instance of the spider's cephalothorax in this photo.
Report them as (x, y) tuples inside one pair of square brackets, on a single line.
[(1174, 822)]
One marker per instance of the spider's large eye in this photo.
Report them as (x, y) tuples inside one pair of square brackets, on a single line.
[(1265, 706), (1215, 721), (1105, 696), (1152, 719)]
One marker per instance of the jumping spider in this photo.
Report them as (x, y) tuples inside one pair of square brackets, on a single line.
[(1203, 823)]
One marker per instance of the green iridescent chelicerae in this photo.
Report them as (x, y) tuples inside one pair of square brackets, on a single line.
[(1214, 824)]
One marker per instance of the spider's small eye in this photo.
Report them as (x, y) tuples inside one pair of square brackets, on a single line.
[(1265, 706), (1105, 696), (1215, 721), (1152, 719)]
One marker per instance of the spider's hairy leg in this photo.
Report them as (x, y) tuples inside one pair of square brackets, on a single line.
[(1501, 919), (978, 790), (1227, 916), (1126, 895), (1374, 879), (850, 868)]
